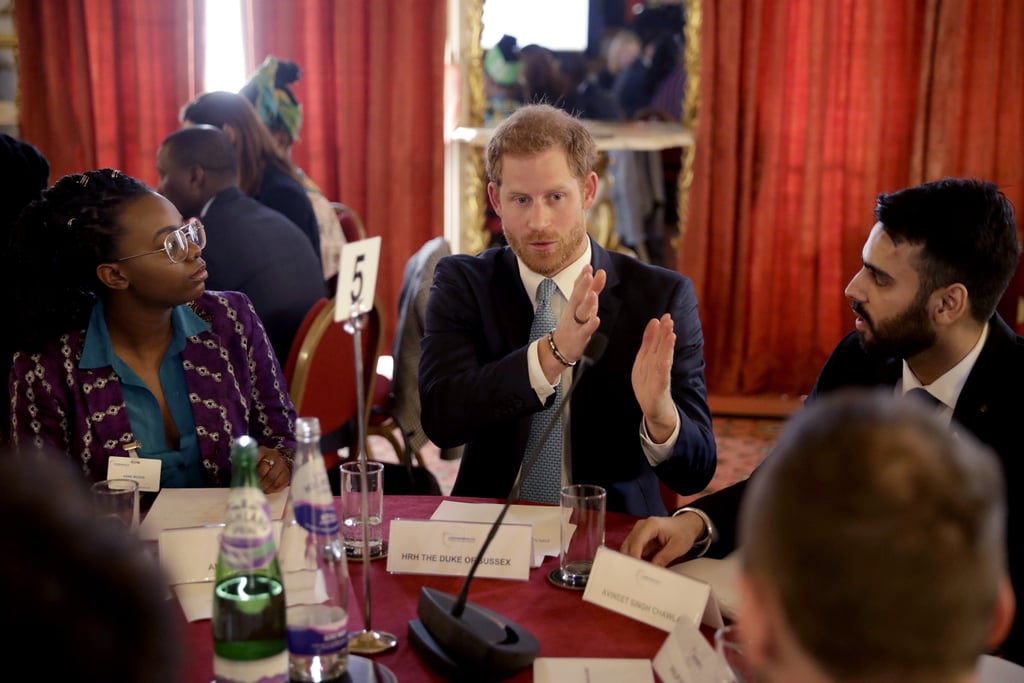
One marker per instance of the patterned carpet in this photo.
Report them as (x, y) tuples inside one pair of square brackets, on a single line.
[(742, 444)]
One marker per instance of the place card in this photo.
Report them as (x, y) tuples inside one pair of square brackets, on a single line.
[(176, 508), (654, 595), (687, 657), (722, 575), (591, 670), (544, 519), (449, 548), (357, 277)]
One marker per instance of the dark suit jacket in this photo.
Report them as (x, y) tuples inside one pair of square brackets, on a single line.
[(991, 406), (475, 385), (256, 250)]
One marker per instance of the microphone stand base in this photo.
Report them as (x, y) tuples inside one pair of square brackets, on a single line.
[(479, 645), (372, 642)]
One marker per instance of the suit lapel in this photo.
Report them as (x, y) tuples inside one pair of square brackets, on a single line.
[(972, 407), (510, 304), (610, 301)]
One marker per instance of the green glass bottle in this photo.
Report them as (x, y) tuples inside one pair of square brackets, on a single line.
[(249, 628)]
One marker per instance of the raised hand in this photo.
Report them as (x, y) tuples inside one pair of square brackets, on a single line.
[(652, 380)]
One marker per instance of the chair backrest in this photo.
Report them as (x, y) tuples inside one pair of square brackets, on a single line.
[(323, 383), (351, 223), (300, 336)]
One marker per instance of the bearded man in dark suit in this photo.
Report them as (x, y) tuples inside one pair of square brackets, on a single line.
[(935, 264), (640, 414)]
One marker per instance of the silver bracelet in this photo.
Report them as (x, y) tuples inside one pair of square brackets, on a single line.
[(703, 543), (558, 354)]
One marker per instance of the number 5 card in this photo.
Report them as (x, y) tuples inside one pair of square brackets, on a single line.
[(357, 277)]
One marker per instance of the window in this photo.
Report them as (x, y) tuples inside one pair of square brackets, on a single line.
[(225, 54), (559, 25)]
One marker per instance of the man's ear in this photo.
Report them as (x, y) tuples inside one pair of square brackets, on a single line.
[(111, 275), (196, 177), (589, 190), (1002, 614), (950, 303), (755, 621), (232, 133), (493, 195)]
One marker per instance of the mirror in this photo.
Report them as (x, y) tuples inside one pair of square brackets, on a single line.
[(465, 195)]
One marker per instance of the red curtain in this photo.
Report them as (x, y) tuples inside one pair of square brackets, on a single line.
[(807, 111), (101, 81), (372, 95)]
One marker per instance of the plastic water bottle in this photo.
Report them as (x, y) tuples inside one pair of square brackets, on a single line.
[(249, 631), (315, 572)]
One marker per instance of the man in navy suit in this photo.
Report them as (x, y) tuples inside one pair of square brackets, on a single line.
[(250, 247), (639, 415), (935, 264)]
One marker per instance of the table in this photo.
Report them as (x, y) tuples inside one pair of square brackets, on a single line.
[(564, 624)]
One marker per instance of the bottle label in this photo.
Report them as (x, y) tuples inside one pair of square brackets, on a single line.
[(248, 540), (317, 630), (312, 500), (269, 670)]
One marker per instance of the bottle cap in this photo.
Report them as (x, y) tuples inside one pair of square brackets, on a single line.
[(307, 428)]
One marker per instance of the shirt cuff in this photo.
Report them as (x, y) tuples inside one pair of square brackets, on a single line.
[(538, 381), (656, 453)]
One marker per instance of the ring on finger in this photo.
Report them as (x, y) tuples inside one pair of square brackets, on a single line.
[(578, 321), (269, 462)]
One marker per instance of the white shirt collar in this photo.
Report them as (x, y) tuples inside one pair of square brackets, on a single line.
[(206, 206), (947, 388), (564, 279)]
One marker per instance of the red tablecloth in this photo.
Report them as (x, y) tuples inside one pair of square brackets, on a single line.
[(564, 625)]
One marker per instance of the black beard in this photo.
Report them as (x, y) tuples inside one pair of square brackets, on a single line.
[(905, 336)]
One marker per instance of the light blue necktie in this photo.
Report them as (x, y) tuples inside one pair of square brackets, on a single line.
[(544, 480)]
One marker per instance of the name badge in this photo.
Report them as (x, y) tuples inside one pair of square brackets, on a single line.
[(146, 471), (449, 548), (654, 595)]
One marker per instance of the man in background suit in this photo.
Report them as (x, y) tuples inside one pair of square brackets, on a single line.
[(935, 264), (250, 248), (640, 414), (874, 548)]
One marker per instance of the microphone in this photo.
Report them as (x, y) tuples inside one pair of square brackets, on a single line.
[(466, 641)]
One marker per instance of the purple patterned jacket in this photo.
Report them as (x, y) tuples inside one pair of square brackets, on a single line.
[(235, 387)]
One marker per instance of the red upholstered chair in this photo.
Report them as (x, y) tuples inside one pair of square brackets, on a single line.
[(351, 223), (322, 380)]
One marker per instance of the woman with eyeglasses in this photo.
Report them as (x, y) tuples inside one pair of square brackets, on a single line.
[(122, 352)]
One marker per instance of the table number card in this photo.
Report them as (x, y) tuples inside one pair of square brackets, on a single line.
[(647, 593), (357, 277)]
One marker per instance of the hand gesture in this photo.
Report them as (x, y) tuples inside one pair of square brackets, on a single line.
[(652, 378)]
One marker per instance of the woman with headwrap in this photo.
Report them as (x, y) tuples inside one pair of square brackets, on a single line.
[(281, 113)]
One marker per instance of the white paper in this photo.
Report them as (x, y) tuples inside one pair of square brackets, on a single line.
[(177, 508), (545, 520), (145, 471), (591, 670), (645, 592), (687, 657), (721, 574), (417, 546), (357, 277)]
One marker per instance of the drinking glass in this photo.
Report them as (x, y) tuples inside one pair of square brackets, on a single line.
[(117, 500), (581, 531), (352, 507)]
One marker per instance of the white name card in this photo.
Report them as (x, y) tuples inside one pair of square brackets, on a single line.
[(449, 548), (578, 670), (687, 657), (357, 277), (654, 595)]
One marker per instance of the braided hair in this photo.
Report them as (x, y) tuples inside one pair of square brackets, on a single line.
[(57, 244)]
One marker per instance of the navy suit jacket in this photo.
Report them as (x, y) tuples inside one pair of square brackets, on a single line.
[(256, 250), (475, 386), (990, 406)]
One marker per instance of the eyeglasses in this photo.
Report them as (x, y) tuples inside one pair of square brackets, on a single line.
[(177, 243)]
